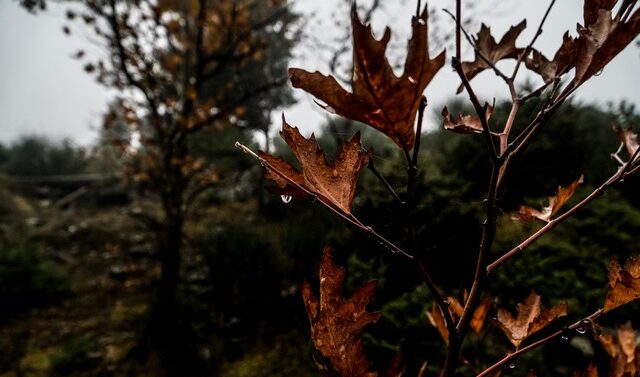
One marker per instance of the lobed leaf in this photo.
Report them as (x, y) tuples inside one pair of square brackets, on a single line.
[(624, 284), (624, 355), (336, 324), (487, 48), (379, 98), (529, 320), (332, 183)]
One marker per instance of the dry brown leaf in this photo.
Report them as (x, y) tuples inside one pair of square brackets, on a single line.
[(602, 37), (529, 320), (436, 319), (333, 184), (380, 99), (628, 138), (623, 352), (624, 284), (555, 203), (494, 52), (466, 124), (563, 60), (336, 324)]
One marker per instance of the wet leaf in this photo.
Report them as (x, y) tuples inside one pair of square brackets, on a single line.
[(555, 203), (529, 320), (336, 323), (494, 52), (379, 98), (624, 284), (332, 183), (562, 61), (436, 319), (466, 124), (591, 371), (602, 37)]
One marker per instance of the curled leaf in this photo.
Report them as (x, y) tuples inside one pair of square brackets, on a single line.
[(379, 98), (624, 284), (332, 183), (555, 203), (466, 124), (562, 61), (628, 138), (487, 48), (336, 324), (529, 320), (436, 318)]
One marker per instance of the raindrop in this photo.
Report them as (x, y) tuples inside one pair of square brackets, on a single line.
[(445, 302), (564, 337), (421, 21), (511, 365), (285, 198), (412, 80), (582, 327), (599, 72), (597, 330)]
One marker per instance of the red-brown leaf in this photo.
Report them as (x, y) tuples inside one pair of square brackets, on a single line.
[(494, 52), (379, 98), (466, 124), (334, 184), (563, 60), (555, 203), (336, 324), (624, 284), (529, 320)]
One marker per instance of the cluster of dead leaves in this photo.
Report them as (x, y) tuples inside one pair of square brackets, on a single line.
[(599, 40), (529, 320), (379, 98), (336, 323), (628, 140), (466, 124), (436, 317)]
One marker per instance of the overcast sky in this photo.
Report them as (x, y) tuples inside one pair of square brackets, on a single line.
[(44, 91)]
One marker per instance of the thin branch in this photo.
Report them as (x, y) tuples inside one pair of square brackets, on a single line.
[(555, 222), (458, 19), (487, 372), (384, 181), (533, 40), (457, 65)]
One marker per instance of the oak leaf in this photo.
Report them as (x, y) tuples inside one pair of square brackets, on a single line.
[(624, 284), (624, 354), (466, 124), (555, 203), (602, 37), (379, 98), (562, 62), (336, 323), (487, 48), (628, 138), (529, 320), (332, 183)]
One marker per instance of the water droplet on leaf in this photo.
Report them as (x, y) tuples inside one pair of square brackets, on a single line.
[(511, 365), (285, 198)]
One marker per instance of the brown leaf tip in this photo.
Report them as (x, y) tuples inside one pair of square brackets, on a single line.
[(624, 283)]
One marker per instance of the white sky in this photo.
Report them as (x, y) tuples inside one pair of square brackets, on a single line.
[(44, 91)]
